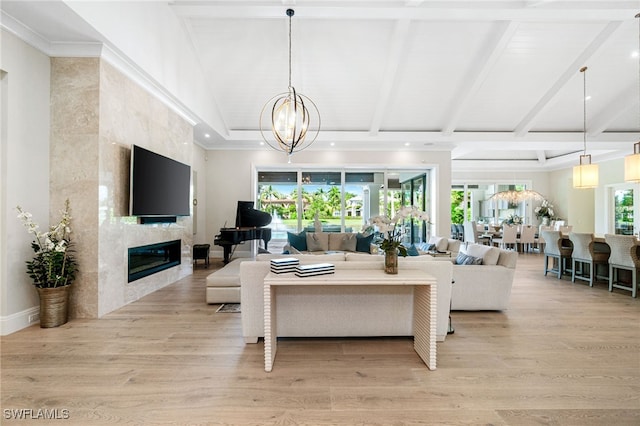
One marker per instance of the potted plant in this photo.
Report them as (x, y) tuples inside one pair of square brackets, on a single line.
[(544, 211), (53, 267), (392, 230)]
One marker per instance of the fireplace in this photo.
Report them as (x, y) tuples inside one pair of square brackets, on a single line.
[(152, 258)]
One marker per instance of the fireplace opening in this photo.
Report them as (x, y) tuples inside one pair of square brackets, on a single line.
[(152, 258)]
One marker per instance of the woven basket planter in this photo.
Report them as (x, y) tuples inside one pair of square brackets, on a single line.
[(54, 306)]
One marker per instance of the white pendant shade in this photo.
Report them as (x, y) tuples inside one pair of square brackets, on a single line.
[(632, 165), (585, 175)]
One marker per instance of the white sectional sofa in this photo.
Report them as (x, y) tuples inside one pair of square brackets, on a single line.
[(341, 310), (484, 287)]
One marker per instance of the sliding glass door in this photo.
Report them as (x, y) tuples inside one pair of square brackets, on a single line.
[(342, 200)]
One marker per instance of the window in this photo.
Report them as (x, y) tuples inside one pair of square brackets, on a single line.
[(623, 206), (343, 200)]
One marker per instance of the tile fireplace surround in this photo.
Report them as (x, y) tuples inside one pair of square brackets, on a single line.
[(97, 113)]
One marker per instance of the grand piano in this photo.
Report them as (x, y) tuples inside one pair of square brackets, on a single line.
[(249, 226)]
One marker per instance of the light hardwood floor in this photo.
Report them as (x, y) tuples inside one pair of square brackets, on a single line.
[(563, 354)]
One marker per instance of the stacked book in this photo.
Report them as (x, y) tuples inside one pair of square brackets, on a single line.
[(284, 265), (315, 269)]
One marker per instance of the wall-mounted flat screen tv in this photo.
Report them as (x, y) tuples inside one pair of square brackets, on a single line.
[(159, 186)]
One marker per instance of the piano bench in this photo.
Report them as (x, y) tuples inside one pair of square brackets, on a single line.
[(223, 285), (201, 251)]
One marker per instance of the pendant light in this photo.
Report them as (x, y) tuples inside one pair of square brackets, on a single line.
[(289, 121), (632, 162), (585, 175)]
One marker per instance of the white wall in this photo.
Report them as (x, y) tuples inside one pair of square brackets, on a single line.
[(161, 48), (24, 172), (199, 165), (230, 177)]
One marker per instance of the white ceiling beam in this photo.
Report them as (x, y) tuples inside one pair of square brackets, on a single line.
[(427, 11), (621, 103), (490, 140), (397, 51), (529, 120), (477, 74)]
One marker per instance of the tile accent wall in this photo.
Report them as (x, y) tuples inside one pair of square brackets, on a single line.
[(97, 113)]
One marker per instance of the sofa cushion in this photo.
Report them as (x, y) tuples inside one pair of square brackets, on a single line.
[(317, 241), (363, 244), (489, 255), (412, 250), (465, 259), (440, 242), (298, 241), (342, 241)]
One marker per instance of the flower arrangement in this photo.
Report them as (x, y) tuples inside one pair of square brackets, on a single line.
[(392, 231), (544, 210), (53, 264), (513, 219)]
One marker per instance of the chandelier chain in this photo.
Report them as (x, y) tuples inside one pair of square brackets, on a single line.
[(290, 14)]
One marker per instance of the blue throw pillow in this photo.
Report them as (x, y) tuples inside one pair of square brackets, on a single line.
[(465, 259), (412, 250), (363, 244), (298, 241)]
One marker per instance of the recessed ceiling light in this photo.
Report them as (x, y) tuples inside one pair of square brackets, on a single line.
[(407, 144), (332, 144), (207, 135), (587, 98), (635, 54)]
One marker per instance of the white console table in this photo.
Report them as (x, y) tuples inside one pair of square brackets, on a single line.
[(424, 304)]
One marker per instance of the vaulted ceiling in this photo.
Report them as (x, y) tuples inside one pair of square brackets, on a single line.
[(495, 82)]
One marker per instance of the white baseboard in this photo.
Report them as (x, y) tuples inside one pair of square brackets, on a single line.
[(14, 322)]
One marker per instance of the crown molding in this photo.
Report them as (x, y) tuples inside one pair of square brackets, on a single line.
[(98, 50)]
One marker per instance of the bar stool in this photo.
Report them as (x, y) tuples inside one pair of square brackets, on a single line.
[(624, 256), (555, 249), (585, 253)]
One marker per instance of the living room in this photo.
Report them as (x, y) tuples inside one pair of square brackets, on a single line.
[(152, 351)]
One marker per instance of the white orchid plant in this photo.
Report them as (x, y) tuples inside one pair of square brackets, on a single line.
[(53, 264), (392, 228), (544, 210)]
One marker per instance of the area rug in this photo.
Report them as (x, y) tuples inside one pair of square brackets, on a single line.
[(229, 307)]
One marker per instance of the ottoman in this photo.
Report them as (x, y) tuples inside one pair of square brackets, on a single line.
[(223, 286)]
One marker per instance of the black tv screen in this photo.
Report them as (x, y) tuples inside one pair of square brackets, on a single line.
[(160, 186)]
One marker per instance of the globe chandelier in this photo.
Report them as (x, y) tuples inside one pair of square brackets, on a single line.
[(289, 121), (585, 175), (632, 162)]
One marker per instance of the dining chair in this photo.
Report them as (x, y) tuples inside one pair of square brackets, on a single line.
[(586, 254), (539, 241), (624, 256), (471, 234), (558, 253), (508, 238), (527, 237)]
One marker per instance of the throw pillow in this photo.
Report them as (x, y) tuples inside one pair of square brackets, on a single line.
[(440, 242), (488, 254), (363, 244), (412, 250), (317, 241), (289, 249), (342, 241), (298, 241), (464, 259)]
